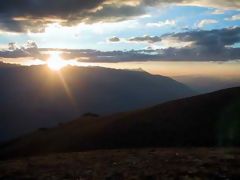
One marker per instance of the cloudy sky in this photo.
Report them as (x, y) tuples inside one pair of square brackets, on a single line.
[(120, 31)]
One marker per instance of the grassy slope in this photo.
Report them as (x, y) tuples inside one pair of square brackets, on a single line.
[(205, 120)]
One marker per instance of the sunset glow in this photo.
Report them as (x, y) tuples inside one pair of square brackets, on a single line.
[(144, 77), (55, 62)]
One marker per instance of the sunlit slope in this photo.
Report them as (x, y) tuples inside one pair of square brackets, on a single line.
[(206, 120)]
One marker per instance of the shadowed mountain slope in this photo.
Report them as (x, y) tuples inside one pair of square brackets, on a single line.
[(36, 97), (206, 120)]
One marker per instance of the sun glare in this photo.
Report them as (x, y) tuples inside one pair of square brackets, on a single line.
[(55, 62)]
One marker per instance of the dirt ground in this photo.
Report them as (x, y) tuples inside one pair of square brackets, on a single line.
[(146, 164)]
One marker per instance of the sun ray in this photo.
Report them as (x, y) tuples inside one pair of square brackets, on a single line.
[(56, 63), (67, 89)]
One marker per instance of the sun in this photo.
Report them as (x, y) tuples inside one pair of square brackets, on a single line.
[(55, 62)]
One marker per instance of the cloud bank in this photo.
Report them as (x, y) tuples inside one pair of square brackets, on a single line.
[(218, 38), (35, 15), (199, 45), (29, 49)]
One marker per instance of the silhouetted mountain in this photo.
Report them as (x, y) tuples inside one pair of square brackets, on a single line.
[(206, 84), (36, 97), (206, 120)]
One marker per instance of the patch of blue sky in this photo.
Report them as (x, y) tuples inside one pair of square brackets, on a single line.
[(8, 38)]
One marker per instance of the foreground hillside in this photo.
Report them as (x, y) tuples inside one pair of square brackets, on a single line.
[(206, 120), (35, 97), (134, 164)]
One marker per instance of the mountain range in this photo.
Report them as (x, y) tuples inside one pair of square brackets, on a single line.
[(210, 120), (36, 97)]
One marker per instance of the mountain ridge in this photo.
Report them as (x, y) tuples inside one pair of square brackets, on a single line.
[(36, 97), (205, 120)]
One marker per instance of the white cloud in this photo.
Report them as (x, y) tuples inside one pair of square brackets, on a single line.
[(162, 23), (233, 18), (219, 4), (218, 11), (174, 42), (145, 16), (205, 22)]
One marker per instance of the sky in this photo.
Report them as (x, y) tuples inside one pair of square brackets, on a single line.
[(170, 37)]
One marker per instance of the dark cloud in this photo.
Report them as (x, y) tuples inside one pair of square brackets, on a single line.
[(108, 56), (35, 15), (213, 38), (222, 4), (46, 8), (212, 45), (216, 45), (112, 13), (23, 25), (149, 39), (169, 54), (217, 38), (114, 39)]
